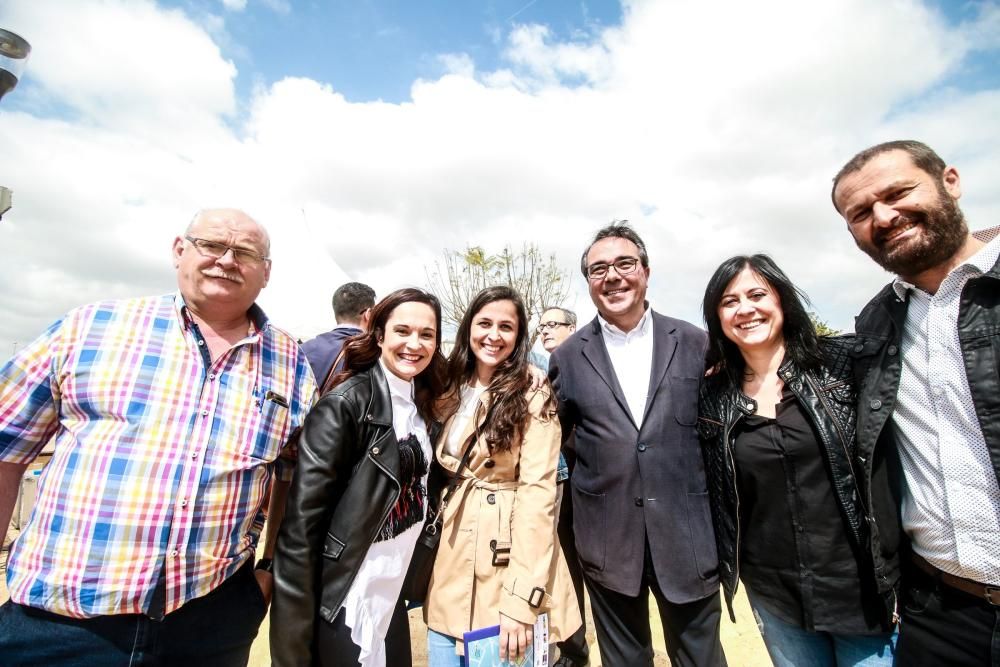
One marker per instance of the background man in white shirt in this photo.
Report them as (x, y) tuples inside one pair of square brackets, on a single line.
[(928, 362)]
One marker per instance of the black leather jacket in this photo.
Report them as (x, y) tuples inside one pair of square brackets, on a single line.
[(877, 363), (827, 398), (346, 483)]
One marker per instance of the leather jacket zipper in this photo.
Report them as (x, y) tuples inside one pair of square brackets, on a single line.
[(736, 495), (843, 440)]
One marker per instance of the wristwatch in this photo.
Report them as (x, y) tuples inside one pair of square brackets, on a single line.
[(265, 564)]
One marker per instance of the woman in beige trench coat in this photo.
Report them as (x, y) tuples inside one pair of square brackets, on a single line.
[(499, 560)]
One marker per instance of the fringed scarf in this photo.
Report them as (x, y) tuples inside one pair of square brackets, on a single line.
[(409, 509)]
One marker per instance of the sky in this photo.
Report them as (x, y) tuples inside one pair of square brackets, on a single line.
[(371, 136)]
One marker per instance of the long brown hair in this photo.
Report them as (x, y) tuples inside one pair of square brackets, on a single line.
[(361, 352), (508, 415)]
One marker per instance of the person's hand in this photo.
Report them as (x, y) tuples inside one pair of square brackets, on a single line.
[(538, 377), (266, 582), (514, 638)]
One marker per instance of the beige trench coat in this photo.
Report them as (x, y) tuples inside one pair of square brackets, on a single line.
[(509, 498)]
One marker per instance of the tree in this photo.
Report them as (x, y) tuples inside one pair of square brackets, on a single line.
[(822, 328), (462, 274)]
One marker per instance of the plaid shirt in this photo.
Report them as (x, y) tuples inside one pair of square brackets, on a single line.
[(162, 457)]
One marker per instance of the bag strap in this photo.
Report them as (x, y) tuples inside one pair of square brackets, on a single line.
[(454, 481)]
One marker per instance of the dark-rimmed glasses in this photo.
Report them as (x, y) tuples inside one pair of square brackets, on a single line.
[(543, 326), (623, 265), (215, 250)]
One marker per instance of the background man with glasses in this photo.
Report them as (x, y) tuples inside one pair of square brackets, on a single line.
[(556, 325), (627, 385), (168, 414)]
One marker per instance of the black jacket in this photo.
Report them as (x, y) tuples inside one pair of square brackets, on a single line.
[(346, 482), (877, 365), (827, 397)]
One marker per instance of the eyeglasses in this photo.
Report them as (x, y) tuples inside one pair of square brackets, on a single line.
[(623, 266), (215, 250), (543, 326)]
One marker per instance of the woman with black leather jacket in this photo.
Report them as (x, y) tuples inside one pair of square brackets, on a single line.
[(777, 420), (359, 497)]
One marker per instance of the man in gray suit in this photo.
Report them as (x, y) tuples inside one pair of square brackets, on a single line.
[(627, 382)]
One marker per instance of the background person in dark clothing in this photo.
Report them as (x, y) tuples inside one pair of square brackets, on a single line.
[(776, 417), (556, 325), (351, 305)]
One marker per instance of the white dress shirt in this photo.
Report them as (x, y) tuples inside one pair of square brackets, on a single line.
[(951, 503), (632, 359)]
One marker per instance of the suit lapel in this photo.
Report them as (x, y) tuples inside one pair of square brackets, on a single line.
[(596, 352), (664, 345)]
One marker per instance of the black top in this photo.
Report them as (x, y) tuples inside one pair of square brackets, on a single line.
[(797, 560)]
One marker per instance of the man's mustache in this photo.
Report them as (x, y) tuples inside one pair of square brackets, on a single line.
[(219, 273)]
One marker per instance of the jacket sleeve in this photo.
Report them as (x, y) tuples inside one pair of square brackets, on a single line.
[(533, 518), (327, 451)]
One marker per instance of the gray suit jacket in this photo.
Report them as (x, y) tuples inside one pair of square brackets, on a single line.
[(634, 483)]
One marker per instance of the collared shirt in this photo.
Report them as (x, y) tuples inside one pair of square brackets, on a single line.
[(631, 356), (162, 457), (951, 507)]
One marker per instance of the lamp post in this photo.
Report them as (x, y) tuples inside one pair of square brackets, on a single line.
[(14, 52)]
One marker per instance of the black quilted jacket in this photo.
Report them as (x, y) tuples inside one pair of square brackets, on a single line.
[(828, 399)]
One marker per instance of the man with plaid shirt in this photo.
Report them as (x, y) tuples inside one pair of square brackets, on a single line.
[(168, 415)]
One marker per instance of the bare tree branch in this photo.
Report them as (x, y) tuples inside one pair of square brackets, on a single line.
[(460, 275)]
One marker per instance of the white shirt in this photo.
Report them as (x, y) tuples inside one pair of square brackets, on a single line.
[(369, 604), (470, 396), (632, 359), (951, 503)]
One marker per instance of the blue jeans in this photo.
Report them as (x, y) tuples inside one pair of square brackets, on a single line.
[(441, 651), (214, 630), (791, 646)]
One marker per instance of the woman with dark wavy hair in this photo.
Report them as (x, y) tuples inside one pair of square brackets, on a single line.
[(359, 497), (777, 423), (499, 561)]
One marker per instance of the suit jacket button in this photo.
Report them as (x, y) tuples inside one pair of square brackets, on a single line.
[(642, 447), (489, 463), (638, 502)]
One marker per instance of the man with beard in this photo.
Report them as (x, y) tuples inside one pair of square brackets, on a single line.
[(928, 365)]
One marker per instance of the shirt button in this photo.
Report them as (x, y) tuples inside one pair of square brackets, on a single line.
[(173, 553), (642, 447), (204, 413), (201, 342), (211, 376), (875, 404), (194, 454), (184, 502), (638, 502)]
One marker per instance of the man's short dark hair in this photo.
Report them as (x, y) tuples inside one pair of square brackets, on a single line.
[(352, 299), (922, 155), (618, 229), (567, 313)]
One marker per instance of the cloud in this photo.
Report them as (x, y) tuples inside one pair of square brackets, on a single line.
[(714, 127), (235, 5)]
